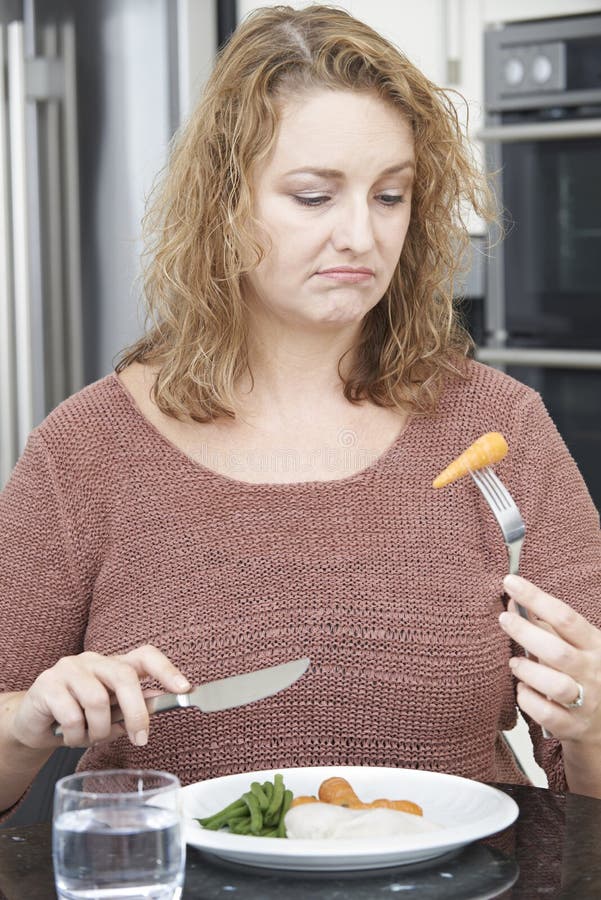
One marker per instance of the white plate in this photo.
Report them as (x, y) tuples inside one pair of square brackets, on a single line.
[(467, 810)]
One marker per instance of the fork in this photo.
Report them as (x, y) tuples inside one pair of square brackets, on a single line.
[(507, 514)]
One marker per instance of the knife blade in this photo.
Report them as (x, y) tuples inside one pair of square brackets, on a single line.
[(225, 693)]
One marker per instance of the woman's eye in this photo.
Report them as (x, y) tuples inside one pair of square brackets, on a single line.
[(316, 200), (391, 199), (320, 199)]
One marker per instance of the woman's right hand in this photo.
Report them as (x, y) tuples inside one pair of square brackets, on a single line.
[(79, 691)]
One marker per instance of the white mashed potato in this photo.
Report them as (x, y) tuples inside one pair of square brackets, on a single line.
[(325, 820)]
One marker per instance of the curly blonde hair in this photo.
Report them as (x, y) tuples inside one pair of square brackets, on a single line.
[(199, 239)]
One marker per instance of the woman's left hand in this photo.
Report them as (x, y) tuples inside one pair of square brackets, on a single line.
[(567, 663)]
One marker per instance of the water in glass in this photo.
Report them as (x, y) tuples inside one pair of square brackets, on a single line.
[(116, 848)]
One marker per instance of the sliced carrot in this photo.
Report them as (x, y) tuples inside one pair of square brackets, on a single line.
[(405, 806), (489, 449), (300, 801), (338, 790)]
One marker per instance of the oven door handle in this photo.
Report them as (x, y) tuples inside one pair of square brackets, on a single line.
[(539, 357), (542, 131)]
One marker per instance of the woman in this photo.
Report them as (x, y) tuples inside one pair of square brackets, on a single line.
[(253, 483)]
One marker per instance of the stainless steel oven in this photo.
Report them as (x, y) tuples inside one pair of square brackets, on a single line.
[(542, 318)]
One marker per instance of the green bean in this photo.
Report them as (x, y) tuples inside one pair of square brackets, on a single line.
[(237, 820), (257, 790), (220, 821), (241, 827), (271, 814), (216, 824), (260, 811), (281, 829), (256, 816), (232, 807)]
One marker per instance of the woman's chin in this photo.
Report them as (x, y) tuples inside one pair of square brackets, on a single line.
[(342, 315)]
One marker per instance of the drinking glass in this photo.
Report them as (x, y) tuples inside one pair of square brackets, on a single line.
[(118, 834)]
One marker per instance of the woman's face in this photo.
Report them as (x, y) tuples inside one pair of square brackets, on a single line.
[(334, 200)]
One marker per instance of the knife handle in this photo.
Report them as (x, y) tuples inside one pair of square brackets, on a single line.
[(160, 703)]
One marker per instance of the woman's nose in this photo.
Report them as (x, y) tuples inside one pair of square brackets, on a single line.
[(353, 229)]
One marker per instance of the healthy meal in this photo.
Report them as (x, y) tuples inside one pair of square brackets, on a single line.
[(271, 810), (489, 449)]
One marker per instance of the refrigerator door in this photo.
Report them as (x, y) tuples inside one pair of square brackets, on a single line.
[(40, 305), (8, 382), (19, 232), (95, 92)]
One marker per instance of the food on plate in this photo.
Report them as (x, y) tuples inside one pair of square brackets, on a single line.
[(338, 791), (405, 806), (303, 798), (489, 449), (328, 820), (259, 812), (263, 811)]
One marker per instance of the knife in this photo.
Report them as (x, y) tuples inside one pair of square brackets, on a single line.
[(225, 693)]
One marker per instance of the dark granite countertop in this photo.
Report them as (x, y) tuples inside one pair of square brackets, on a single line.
[(552, 851)]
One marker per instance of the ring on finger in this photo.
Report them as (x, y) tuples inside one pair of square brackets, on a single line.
[(577, 703)]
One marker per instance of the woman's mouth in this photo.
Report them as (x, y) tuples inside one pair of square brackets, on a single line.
[(347, 274)]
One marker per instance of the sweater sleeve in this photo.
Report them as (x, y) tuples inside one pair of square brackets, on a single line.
[(43, 600), (562, 546)]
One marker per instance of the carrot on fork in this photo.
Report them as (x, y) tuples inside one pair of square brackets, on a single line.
[(489, 449)]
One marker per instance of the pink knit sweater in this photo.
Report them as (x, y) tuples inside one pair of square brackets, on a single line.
[(111, 537)]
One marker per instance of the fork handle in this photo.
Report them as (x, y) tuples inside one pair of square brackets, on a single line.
[(514, 550)]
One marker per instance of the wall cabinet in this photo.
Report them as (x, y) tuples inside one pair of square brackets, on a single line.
[(519, 10)]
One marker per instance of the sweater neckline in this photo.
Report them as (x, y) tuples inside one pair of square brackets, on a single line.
[(362, 475)]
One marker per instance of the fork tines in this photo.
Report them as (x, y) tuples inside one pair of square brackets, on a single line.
[(493, 487), (502, 504)]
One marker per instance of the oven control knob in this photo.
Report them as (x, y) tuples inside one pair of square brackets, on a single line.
[(514, 70), (542, 69)]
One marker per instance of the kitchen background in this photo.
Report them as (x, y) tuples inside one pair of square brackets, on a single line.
[(92, 93)]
